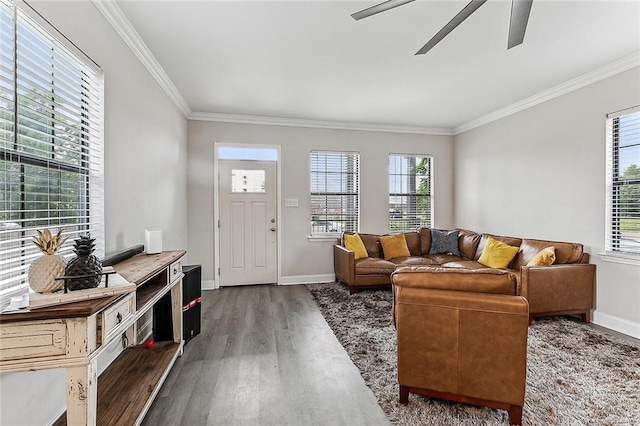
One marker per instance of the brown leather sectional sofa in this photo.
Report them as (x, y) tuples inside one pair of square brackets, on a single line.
[(565, 287)]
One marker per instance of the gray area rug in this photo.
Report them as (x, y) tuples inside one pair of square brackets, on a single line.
[(576, 375)]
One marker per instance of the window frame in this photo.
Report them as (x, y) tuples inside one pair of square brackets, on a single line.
[(394, 193), (614, 187), (52, 130), (351, 222)]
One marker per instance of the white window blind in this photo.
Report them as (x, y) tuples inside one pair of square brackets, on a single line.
[(334, 192), (623, 182), (410, 200), (51, 143)]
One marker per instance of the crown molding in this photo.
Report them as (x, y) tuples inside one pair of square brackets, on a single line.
[(114, 16), (624, 64), (318, 124)]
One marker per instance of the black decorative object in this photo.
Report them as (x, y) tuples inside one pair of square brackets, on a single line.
[(120, 256), (85, 270)]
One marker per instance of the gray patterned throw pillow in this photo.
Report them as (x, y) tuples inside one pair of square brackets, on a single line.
[(444, 242)]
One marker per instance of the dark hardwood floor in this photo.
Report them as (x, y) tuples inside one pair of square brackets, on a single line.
[(265, 356)]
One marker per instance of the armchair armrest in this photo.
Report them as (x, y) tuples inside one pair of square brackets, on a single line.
[(344, 264), (567, 288)]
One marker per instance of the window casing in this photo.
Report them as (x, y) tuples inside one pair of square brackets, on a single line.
[(623, 183), (410, 189), (51, 143), (335, 183)]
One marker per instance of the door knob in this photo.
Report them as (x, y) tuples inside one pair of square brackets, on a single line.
[(273, 229)]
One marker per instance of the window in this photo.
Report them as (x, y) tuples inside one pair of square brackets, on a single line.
[(51, 167), (623, 182), (334, 192), (249, 181), (410, 201)]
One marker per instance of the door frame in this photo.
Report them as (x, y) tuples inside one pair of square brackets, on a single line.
[(216, 207)]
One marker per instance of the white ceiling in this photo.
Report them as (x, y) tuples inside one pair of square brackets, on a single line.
[(310, 60)]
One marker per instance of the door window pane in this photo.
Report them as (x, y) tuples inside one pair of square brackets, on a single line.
[(248, 181)]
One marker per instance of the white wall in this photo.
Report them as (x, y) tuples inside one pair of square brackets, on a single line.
[(301, 257), (145, 177), (540, 173)]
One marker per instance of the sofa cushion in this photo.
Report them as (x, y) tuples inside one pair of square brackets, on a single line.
[(354, 243), (413, 243), (565, 252), (425, 240), (394, 246), (372, 244), (441, 259), (444, 242), (414, 261), (373, 266), (468, 243), (466, 264), (497, 254), (544, 257)]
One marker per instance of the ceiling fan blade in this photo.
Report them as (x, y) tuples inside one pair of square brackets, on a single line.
[(520, 10), (390, 4), (457, 20)]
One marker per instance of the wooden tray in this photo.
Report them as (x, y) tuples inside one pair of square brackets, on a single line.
[(117, 285)]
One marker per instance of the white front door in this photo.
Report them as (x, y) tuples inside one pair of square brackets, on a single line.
[(247, 194)]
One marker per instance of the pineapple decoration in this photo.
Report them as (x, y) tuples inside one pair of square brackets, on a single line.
[(86, 266), (44, 270)]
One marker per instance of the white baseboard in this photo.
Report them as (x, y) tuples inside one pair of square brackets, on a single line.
[(307, 279), (290, 280), (620, 325)]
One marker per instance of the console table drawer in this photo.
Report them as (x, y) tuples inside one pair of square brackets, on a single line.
[(33, 340), (175, 270), (116, 315)]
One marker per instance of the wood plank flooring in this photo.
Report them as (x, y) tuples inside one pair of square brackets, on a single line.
[(265, 356)]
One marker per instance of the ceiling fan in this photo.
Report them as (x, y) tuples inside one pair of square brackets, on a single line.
[(520, 10)]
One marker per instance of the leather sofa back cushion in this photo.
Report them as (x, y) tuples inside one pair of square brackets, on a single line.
[(565, 252), (372, 244), (468, 243), (394, 246), (413, 243), (425, 240)]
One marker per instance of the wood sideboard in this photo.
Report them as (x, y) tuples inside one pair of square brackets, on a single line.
[(73, 335)]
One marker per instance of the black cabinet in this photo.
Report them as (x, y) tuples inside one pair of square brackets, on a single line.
[(191, 308)]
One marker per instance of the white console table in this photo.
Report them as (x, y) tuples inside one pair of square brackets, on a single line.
[(73, 335)]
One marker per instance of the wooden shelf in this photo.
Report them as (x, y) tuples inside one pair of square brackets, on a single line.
[(148, 291), (127, 387)]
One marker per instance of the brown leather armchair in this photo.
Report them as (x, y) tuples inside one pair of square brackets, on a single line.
[(462, 336)]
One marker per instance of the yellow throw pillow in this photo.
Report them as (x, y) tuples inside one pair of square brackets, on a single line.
[(544, 257), (394, 246), (496, 254), (354, 243)]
